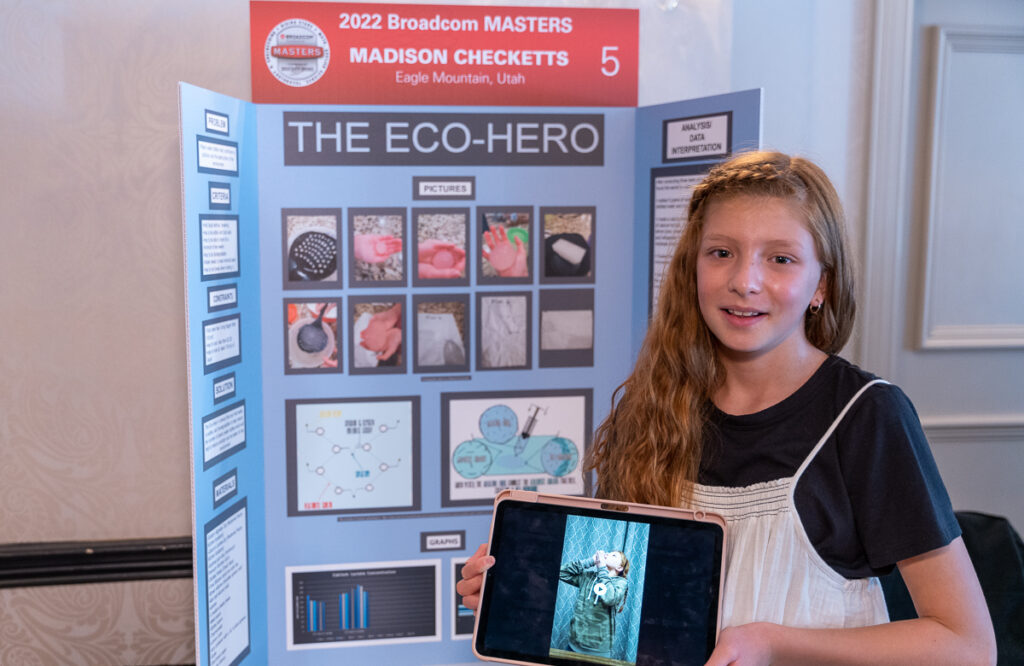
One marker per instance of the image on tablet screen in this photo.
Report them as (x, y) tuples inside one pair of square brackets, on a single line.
[(600, 590)]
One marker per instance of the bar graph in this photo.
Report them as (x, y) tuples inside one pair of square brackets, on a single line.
[(354, 609), (314, 614), (344, 605)]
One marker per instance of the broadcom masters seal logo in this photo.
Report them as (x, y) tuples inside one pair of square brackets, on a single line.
[(297, 52)]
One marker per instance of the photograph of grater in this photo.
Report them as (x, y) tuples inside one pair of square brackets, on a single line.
[(313, 256)]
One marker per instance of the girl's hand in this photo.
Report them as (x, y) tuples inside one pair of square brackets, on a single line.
[(383, 335), (440, 259), (507, 258), (745, 645), (393, 342), (375, 249), (473, 577)]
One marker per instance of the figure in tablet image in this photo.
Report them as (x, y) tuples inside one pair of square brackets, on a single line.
[(603, 587), (597, 610)]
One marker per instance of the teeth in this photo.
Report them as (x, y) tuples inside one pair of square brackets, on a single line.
[(738, 313)]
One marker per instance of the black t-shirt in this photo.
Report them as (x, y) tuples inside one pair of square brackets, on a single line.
[(871, 497)]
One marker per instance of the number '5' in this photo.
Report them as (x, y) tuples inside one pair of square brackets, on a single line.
[(610, 64)]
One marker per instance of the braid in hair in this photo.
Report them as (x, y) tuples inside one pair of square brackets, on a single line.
[(750, 174)]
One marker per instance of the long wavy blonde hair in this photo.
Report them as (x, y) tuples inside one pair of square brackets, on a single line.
[(649, 447)]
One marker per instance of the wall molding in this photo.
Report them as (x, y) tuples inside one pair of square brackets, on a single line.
[(972, 429), (969, 336), (78, 562), (887, 199), (950, 41)]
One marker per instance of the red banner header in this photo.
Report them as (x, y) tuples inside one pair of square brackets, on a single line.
[(348, 53)]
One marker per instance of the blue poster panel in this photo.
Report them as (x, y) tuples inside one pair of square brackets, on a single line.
[(395, 313)]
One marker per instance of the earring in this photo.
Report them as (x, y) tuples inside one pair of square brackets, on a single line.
[(815, 308)]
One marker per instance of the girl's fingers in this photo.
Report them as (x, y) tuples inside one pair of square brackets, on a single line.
[(469, 586), (478, 563), (472, 577)]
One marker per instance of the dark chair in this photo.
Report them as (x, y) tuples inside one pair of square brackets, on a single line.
[(997, 552)]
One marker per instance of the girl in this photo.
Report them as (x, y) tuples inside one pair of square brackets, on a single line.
[(603, 586), (738, 405)]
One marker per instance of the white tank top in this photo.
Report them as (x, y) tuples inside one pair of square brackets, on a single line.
[(772, 571)]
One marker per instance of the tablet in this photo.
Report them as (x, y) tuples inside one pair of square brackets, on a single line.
[(578, 580)]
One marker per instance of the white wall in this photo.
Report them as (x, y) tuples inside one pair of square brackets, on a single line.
[(945, 237), (813, 60)]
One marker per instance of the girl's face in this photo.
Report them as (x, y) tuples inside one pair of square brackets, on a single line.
[(613, 560), (757, 273)]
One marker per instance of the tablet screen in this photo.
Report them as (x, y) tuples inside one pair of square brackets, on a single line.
[(575, 585)]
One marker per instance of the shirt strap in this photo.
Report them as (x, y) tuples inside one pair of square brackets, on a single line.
[(828, 433)]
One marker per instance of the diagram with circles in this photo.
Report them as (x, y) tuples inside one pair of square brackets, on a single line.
[(525, 442), (354, 456)]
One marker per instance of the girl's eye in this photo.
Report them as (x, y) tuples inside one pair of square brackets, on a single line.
[(720, 254), (782, 260)]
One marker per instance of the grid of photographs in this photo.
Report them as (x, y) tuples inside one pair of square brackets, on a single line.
[(511, 260)]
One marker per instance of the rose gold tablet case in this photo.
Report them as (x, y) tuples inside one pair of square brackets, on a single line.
[(617, 510)]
